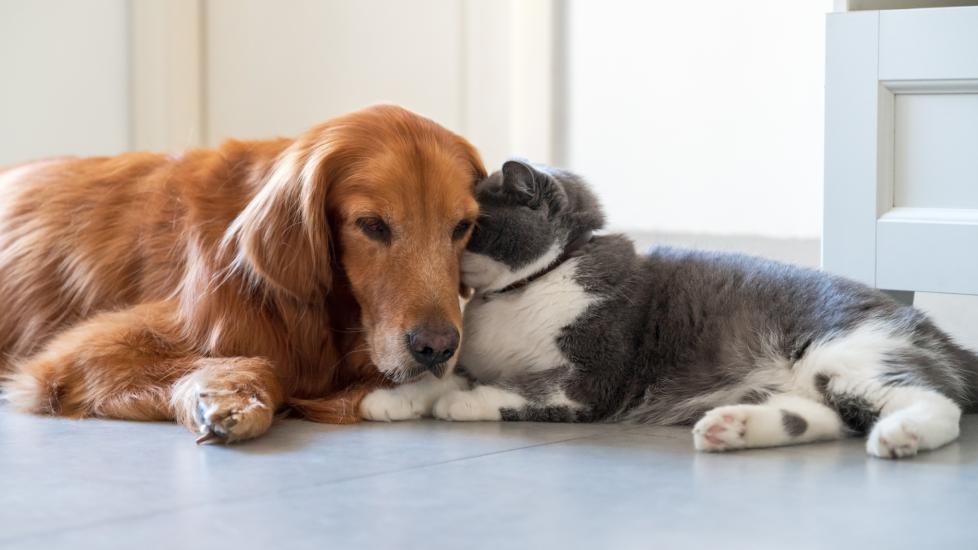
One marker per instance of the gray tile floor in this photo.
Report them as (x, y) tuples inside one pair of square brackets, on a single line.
[(108, 484)]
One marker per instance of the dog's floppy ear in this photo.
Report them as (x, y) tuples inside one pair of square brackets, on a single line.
[(283, 234), (473, 159)]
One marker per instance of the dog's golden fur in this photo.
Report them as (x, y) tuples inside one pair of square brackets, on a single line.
[(232, 281)]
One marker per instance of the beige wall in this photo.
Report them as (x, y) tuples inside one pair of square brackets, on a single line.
[(107, 75), (274, 68), (63, 78), (481, 68)]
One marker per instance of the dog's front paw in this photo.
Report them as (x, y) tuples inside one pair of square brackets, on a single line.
[(466, 406), (227, 416), (390, 405)]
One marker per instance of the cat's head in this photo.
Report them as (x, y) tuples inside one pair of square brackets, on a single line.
[(528, 215)]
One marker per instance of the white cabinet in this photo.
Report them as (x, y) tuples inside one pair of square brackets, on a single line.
[(901, 149)]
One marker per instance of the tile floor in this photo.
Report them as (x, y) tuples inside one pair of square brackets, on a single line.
[(106, 484)]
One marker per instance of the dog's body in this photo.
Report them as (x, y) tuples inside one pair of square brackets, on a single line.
[(216, 286)]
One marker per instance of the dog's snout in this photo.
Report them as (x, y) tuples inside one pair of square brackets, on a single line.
[(433, 345)]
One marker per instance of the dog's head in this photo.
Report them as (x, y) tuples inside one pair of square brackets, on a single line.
[(383, 198)]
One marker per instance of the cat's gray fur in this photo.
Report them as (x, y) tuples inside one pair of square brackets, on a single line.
[(664, 330)]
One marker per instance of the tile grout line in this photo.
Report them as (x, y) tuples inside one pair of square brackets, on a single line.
[(285, 490)]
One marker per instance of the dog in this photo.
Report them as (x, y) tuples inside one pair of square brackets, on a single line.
[(218, 287)]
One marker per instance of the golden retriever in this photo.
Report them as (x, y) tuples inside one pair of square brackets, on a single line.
[(218, 287)]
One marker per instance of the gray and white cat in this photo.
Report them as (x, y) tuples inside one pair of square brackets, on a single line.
[(564, 326)]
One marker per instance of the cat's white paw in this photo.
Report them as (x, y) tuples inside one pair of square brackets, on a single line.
[(389, 405), (466, 406), (721, 429), (893, 437)]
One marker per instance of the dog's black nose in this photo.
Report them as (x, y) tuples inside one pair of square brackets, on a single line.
[(433, 345)]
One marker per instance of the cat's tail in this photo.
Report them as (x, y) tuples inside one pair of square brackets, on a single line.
[(967, 362), (942, 363)]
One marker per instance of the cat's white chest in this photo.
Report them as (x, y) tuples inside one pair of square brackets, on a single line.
[(516, 332)]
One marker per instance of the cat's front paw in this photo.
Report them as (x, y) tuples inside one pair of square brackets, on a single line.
[(893, 438), (466, 406), (390, 405), (721, 429)]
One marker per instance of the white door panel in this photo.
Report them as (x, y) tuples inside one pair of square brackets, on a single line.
[(901, 189), (936, 150), (928, 44), (852, 136)]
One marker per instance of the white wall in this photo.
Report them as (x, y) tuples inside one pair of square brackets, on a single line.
[(276, 68), (104, 76), (63, 78), (702, 117), (479, 67)]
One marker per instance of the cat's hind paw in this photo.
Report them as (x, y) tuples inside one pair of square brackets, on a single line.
[(721, 429), (893, 438)]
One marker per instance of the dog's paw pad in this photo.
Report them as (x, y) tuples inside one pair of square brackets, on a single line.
[(227, 416), (721, 429)]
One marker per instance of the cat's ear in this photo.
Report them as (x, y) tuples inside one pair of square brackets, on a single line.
[(522, 181)]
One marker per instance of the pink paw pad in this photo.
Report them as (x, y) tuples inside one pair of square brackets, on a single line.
[(718, 431)]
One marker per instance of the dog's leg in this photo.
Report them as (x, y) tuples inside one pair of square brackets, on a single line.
[(227, 398), (132, 365)]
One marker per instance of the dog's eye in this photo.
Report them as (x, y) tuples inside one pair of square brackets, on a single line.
[(461, 229), (375, 228)]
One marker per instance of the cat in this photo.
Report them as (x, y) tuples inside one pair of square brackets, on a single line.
[(565, 326)]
